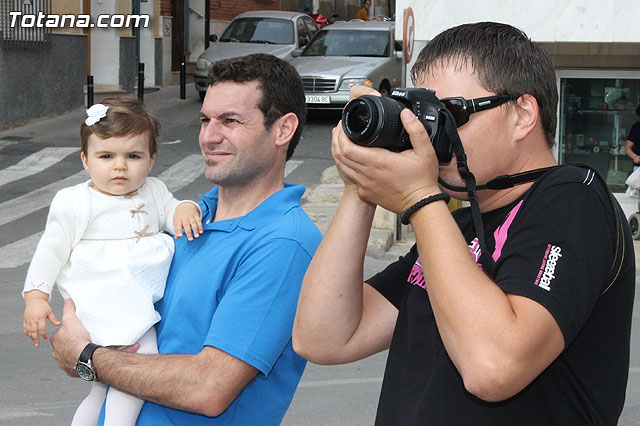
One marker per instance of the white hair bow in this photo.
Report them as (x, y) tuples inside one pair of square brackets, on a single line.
[(95, 113)]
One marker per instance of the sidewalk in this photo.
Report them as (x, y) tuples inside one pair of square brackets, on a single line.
[(321, 203)]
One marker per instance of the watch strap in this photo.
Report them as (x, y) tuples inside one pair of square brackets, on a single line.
[(84, 365), (87, 352)]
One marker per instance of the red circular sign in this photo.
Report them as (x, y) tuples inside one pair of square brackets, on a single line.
[(408, 34)]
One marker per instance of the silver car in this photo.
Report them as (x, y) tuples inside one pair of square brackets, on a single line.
[(275, 32), (346, 54)]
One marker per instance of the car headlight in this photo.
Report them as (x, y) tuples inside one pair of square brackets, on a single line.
[(348, 83), (203, 64)]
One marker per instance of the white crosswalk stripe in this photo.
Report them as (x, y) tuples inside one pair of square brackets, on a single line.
[(183, 172), (21, 206), (18, 253), (34, 163), (291, 166)]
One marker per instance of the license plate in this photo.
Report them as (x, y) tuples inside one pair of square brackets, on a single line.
[(317, 99)]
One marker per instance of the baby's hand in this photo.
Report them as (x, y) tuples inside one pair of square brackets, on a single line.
[(187, 217), (36, 313)]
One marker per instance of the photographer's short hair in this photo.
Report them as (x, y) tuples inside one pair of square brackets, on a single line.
[(638, 110), (282, 90), (505, 60), (126, 116)]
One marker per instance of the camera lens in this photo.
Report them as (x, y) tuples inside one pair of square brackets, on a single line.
[(375, 121), (359, 118)]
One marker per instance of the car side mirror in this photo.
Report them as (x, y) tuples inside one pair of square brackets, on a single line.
[(213, 38), (399, 54), (296, 52)]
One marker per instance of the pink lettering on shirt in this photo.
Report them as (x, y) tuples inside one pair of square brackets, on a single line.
[(500, 235), (416, 277)]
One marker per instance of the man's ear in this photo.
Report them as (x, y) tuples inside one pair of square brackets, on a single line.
[(286, 126), (527, 115)]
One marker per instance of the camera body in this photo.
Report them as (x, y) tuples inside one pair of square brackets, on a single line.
[(374, 121)]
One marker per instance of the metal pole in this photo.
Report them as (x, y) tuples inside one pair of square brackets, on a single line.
[(404, 58), (141, 81), (186, 26), (89, 91), (183, 78), (403, 84), (207, 22)]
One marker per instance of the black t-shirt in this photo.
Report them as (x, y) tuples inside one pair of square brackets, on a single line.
[(555, 246), (634, 136)]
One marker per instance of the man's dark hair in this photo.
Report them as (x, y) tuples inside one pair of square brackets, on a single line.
[(505, 60), (282, 90), (638, 110)]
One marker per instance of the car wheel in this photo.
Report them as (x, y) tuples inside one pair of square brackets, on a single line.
[(202, 94), (385, 89), (634, 224)]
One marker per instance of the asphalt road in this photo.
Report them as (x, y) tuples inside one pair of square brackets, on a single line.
[(33, 391)]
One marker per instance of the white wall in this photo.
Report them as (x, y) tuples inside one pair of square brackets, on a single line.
[(105, 47), (542, 20), (147, 45)]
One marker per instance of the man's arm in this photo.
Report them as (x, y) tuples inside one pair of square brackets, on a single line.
[(340, 319), (205, 383), (498, 342), (628, 148)]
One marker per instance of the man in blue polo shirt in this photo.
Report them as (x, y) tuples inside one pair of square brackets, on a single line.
[(225, 337)]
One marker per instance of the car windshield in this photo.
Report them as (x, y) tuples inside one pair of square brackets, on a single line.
[(259, 30), (349, 43)]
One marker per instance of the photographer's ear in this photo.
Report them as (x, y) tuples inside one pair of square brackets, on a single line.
[(527, 115)]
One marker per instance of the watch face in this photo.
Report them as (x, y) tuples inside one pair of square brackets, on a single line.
[(85, 372)]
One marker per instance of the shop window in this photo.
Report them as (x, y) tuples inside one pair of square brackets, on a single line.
[(595, 117)]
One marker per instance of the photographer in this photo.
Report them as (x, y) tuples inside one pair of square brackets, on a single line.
[(535, 330)]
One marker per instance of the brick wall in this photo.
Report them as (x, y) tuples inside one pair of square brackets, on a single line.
[(222, 10), (165, 7), (225, 10)]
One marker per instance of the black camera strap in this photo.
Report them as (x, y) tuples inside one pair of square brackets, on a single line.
[(471, 188)]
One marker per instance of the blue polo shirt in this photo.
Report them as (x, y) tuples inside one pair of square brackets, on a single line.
[(236, 288)]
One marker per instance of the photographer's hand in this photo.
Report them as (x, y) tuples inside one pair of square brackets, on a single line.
[(395, 181), (354, 92)]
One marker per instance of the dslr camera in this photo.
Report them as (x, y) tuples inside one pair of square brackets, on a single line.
[(374, 121)]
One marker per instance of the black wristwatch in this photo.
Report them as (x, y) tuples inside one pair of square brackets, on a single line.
[(84, 366)]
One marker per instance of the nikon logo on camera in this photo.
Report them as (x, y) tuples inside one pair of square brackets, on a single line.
[(398, 93)]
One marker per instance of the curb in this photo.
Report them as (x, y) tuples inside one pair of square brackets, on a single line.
[(321, 203)]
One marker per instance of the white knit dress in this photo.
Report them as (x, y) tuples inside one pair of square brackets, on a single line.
[(109, 255)]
